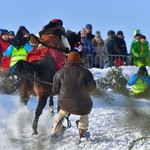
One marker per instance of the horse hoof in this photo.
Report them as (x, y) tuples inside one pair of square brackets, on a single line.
[(35, 133)]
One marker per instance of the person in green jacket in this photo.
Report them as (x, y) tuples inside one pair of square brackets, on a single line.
[(137, 58), (140, 81), (145, 50)]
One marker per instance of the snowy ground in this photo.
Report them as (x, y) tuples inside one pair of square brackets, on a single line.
[(121, 124)]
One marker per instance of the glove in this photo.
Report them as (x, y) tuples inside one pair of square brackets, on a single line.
[(66, 50)]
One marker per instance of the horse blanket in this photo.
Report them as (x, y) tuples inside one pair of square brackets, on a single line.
[(37, 54)]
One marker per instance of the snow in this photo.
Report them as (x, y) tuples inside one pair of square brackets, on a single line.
[(118, 124)]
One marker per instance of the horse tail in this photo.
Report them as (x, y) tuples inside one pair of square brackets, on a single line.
[(23, 67)]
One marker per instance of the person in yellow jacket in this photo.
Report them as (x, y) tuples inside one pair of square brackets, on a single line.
[(18, 50), (140, 81)]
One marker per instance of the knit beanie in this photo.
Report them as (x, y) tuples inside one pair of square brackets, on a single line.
[(73, 56), (97, 34), (83, 30), (4, 32)]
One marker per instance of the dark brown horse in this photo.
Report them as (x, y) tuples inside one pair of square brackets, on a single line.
[(36, 75)]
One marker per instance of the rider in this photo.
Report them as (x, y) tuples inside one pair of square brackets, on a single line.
[(58, 24)]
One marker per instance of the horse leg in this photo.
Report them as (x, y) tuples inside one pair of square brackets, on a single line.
[(51, 104), (24, 97), (24, 100), (25, 92), (38, 112)]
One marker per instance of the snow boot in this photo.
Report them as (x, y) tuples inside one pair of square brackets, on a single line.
[(84, 135)]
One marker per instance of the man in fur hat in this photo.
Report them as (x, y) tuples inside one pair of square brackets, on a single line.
[(58, 24), (73, 83)]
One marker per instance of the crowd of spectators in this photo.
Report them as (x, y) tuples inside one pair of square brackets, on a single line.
[(99, 52)]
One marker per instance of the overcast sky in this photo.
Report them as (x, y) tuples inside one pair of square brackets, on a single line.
[(125, 15)]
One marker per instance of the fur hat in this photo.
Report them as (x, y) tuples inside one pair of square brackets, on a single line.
[(55, 26), (54, 23), (73, 56)]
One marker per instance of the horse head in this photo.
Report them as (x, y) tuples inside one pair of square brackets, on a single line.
[(51, 38)]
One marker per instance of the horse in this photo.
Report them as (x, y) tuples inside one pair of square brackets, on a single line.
[(35, 74)]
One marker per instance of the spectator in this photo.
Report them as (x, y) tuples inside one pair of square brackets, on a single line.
[(145, 54), (73, 76), (140, 81), (1, 31), (4, 43), (25, 33), (88, 28), (88, 49), (18, 50), (122, 46), (136, 49), (111, 46), (101, 51), (11, 37)]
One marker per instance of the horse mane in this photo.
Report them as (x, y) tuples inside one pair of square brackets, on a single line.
[(35, 41)]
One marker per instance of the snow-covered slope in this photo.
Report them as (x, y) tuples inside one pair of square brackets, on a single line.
[(120, 124)]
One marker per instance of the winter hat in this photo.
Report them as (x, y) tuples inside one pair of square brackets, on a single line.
[(55, 26), (119, 33), (143, 37), (111, 33), (4, 32), (23, 30), (11, 33), (83, 30), (54, 23), (142, 70), (19, 41), (97, 34), (73, 56), (137, 32), (88, 26)]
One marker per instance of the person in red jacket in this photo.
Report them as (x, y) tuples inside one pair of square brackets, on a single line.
[(4, 43)]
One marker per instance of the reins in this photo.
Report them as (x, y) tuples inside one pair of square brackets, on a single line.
[(66, 50), (56, 48), (38, 80)]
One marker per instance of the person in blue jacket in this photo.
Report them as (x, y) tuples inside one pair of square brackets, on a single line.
[(140, 81)]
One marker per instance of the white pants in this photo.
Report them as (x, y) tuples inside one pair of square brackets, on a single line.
[(58, 128)]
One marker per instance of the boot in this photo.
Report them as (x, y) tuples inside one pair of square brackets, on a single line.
[(84, 135)]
